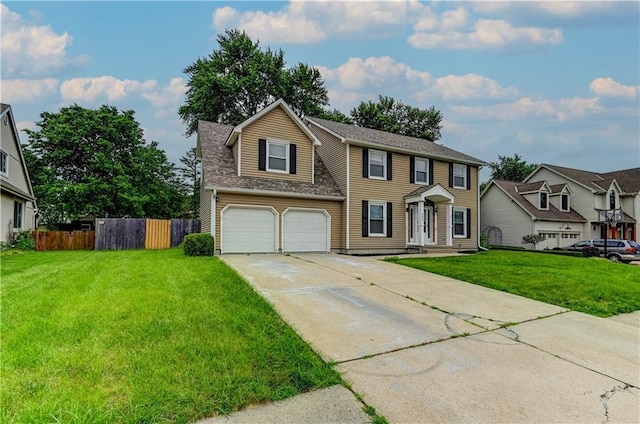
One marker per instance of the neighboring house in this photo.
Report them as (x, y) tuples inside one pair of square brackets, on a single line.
[(561, 203), (18, 204), (276, 183)]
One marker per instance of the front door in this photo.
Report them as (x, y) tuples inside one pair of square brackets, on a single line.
[(420, 225)]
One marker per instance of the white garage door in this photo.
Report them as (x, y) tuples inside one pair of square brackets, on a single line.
[(249, 230), (305, 231)]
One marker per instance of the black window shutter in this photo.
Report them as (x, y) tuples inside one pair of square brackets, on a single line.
[(389, 219), (450, 174), (292, 159), (468, 223), (468, 177), (365, 218), (365, 162), (430, 171), (262, 154), (412, 169), (389, 171)]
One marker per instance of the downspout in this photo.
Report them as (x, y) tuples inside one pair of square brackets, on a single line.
[(478, 235), (348, 195)]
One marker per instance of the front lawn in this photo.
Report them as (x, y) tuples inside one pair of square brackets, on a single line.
[(141, 336), (594, 286)]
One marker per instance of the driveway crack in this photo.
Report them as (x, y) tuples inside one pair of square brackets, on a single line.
[(606, 396)]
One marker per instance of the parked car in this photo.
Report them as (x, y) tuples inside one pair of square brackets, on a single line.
[(617, 250)]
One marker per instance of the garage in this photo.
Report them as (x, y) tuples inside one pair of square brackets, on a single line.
[(249, 229), (306, 230)]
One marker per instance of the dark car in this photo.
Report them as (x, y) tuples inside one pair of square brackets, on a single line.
[(617, 250)]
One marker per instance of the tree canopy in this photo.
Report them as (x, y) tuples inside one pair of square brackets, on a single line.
[(239, 79), (388, 114), (84, 161), (511, 168), (190, 173)]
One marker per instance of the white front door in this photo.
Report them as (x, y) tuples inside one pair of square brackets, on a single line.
[(420, 225)]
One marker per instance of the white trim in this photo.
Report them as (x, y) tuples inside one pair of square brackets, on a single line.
[(464, 176), (6, 162), (258, 192), (333, 133), (313, 165), (276, 242), (464, 222), (287, 159), (540, 193), (284, 106), (347, 230), (449, 225), (239, 154), (294, 209), (384, 218), (415, 170), (384, 164), (436, 190)]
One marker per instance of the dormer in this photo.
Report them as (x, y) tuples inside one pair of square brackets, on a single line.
[(537, 193), (274, 144), (561, 196)]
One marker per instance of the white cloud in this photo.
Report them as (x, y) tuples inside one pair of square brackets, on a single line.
[(30, 50), (168, 98), (90, 89), (469, 86), (303, 22), (527, 108), (26, 125), (487, 34), (27, 90), (607, 87)]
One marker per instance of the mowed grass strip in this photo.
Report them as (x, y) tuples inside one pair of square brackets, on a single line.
[(141, 336), (591, 285)]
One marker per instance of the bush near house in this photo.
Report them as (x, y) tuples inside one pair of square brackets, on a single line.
[(199, 245)]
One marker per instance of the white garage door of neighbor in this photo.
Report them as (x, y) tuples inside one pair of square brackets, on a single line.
[(249, 230), (305, 231)]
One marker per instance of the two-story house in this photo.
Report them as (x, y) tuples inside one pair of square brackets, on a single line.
[(276, 183), (561, 203), (17, 202)]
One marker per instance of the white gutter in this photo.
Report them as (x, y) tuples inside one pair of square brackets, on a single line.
[(257, 192), (347, 200)]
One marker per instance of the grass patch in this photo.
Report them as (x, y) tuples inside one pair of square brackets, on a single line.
[(594, 286), (141, 336)]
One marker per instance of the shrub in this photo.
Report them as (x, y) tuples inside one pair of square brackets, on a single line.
[(199, 245), (590, 252), (21, 240)]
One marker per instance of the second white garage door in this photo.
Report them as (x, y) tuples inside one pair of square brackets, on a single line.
[(306, 230), (249, 230)]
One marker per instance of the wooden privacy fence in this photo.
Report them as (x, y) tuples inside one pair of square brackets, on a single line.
[(140, 233), (64, 240)]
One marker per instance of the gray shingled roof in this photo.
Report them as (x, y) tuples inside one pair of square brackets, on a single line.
[(3, 107), (553, 214), (557, 188), (410, 144), (627, 179), (526, 188), (218, 167)]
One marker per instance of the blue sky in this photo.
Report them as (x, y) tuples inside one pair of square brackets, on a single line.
[(555, 82)]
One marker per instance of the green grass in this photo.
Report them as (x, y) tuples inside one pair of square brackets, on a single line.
[(594, 286), (141, 336)]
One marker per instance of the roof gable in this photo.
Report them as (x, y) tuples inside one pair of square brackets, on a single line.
[(285, 107), (628, 180), (6, 118), (369, 137)]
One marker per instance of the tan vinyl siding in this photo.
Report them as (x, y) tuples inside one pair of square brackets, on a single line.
[(205, 210), (235, 153), (394, 191), (498, 210), (276, 124), (334, 208), (334, 155)]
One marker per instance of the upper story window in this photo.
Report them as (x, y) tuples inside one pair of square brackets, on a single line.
[(612, 200), (4, 163), (459, 176), (564, 202), (377, 164), (277, 157), (422, 171), (544, 200)]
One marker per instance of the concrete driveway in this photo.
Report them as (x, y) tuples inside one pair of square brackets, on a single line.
[(419, 347)]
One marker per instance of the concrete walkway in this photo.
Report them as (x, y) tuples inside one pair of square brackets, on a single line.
[(419, 347)]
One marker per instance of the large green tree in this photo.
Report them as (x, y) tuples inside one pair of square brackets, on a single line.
[(190, 173), (239, 79), (389, 114), (96, 161), (510, 169)]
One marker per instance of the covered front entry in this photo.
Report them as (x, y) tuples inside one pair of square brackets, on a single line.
[(425, 207)]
